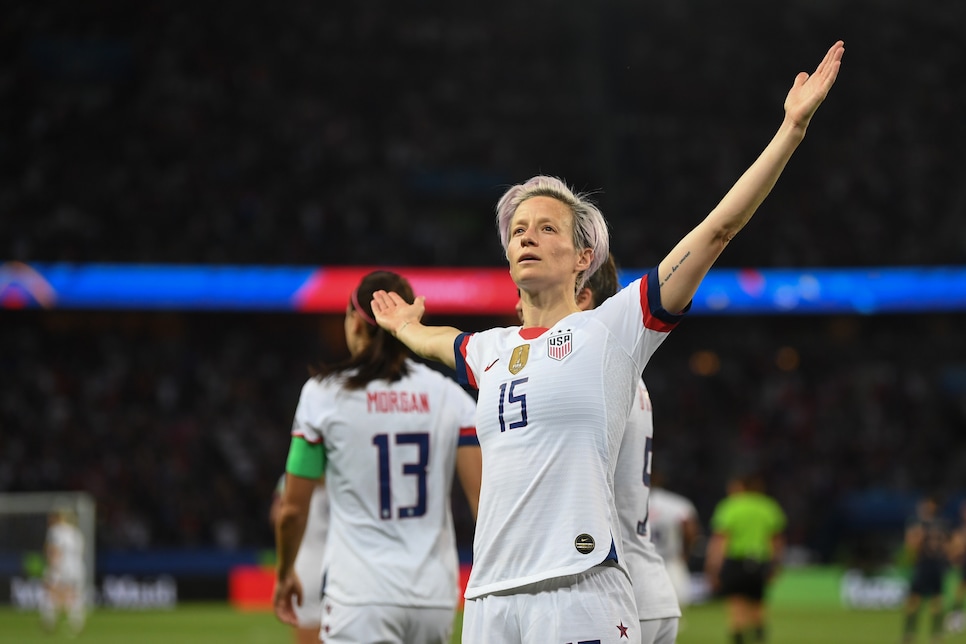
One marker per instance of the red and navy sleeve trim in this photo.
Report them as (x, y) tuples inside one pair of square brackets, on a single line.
[(655, 317), (468, 437), (464, 375)]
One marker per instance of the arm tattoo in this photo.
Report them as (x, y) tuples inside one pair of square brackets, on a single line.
[(675, 268)]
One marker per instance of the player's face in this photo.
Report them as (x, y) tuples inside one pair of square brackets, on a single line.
[(541, 250)]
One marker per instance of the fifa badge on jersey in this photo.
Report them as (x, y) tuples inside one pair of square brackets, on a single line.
[(518, 360), (559, 345), (584, 543)]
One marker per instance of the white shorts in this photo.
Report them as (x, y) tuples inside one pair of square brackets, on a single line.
[(659, 631), (596, 606), (308, 567), (385, 624), (680, 576), (65, 575)]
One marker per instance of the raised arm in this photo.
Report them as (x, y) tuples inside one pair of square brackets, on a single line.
[(689, 261), (402, 320)]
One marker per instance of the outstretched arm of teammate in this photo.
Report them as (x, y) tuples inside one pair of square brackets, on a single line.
[(402, 320), (469, 469), (289, 528), (690, 260)]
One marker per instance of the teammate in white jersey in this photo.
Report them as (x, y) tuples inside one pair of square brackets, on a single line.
[(674, 528), (389, 433), (657, 605), (65, 574), (555, 395), (308, 561)]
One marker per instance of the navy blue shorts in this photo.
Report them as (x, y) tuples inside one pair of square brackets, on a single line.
[(927, 578)]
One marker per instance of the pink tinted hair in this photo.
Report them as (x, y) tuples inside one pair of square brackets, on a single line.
[(590, 227)]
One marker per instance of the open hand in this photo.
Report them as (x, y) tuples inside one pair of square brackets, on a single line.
[(808, 92), (393, 313)]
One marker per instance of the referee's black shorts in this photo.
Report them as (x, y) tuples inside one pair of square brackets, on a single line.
[(744, 578), (927, 578)]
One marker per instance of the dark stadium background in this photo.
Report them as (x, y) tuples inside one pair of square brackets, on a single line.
[(361, 133)]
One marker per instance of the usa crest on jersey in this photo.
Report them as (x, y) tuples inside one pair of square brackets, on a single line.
[(559, 345)]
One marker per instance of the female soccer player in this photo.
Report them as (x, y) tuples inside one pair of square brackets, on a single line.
[(554, 395), (65, 574), (388, 433)]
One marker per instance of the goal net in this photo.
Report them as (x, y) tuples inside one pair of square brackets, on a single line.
[(23, 529)]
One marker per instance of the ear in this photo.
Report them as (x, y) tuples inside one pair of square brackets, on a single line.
[(584, 258), (585, 299), (356, 322)]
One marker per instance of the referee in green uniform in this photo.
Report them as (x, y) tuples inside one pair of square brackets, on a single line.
[(744, 553)]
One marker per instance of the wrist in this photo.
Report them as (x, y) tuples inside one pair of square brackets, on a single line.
[(794, 128)]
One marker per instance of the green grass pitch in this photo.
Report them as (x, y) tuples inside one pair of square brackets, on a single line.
[(220, 624)]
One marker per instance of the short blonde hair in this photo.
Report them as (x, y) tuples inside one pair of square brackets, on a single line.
[(590, 227)]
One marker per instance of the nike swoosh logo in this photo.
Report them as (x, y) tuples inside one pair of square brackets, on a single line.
[(491, 364)]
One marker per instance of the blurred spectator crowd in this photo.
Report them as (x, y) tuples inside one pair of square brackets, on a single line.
[(365, 132)]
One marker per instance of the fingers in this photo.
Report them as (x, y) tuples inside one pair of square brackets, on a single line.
[(387, 300), (817, 85), (385, 303), (284, 611), (286, 593), (286, 615), (834, 52), (380, 301), (828, 69)]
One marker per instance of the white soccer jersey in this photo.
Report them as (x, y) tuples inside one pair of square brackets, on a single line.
[(668, 512), (653, 589), (66, 564), (551, 413), (391, 451)]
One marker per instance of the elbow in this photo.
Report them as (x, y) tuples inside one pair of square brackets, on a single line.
[(723, 235), (721, 226)]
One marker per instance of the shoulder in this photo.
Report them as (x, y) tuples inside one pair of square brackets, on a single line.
[(426, 375), (682, 503), (724, 507), (316, 387), (475, 345), (430, 377), (497, 334)]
